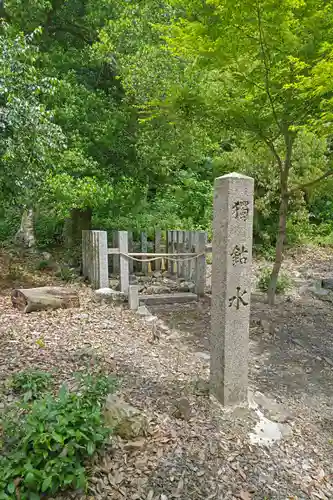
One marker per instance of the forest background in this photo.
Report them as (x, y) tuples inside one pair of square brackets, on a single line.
[(120, 114)]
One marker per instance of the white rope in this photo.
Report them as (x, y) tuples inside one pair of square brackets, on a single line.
[(152, 259)]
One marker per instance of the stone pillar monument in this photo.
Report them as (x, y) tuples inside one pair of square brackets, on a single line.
[(231, 287)]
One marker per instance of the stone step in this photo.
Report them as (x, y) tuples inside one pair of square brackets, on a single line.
[(167, 298)]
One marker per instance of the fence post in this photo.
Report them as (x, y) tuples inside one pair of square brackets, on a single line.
[(180, 247), (115, 257), (192, 247), (144, 248), (169, 250), (133, 297), (200, 279), (123, 249), (100, 271), (130, 249), (158, 237), (187, 249)]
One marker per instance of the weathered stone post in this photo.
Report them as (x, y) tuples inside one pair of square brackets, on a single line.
[(200, 275), (231, 287), (123, 260), (115, 257), (158, 238), (95, 258), (133, 297), (144, 249)]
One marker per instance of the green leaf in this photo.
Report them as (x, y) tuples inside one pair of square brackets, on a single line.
[(11, 488), (27, 396), (30, 479), (46, 483), (57, 437), (34, 496), (91, 448)]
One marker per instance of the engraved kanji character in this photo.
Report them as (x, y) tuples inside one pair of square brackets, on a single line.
[(238, 298)]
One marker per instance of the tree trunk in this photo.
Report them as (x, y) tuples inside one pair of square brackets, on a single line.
[(25, 236), (47, 297), (80, 219), (283, 211), (279, 248)]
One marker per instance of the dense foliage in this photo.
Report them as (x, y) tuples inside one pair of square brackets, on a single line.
[(44, 444), (124, 112)]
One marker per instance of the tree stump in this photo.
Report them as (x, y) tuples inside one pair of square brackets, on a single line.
[(47, 297)]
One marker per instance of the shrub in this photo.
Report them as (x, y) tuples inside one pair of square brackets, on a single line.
[(46, 443), (49, 229), (284, 282), (31, 383)]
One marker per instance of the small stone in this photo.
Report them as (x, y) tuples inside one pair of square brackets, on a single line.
[(265, 325), (202, 386), (114, 284), (145, 279), (183, 409), (187, 287), (328, 361), (128, 422), (82, 316), (143, 311), (203, 355), (157, 289), (327, 283), (109, 295), (104, 292)]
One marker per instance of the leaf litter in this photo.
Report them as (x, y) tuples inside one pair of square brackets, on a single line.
[(206, 455)]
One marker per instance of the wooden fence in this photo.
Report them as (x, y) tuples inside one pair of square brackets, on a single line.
[(181, 253)]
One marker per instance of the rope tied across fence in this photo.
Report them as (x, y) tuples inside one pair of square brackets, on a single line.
[(152, 259)]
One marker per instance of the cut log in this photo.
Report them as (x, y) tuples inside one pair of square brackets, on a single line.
[(46, 297)]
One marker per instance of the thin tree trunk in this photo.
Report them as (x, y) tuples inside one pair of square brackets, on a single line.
[(25, 236), (279, 248), (283, 211)]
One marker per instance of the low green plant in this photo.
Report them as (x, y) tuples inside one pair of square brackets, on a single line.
[(44, 265), (66, 274), (45, 444), (31, 383), (284, 282)]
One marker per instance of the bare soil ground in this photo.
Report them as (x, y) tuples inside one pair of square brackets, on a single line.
[(209, 455)]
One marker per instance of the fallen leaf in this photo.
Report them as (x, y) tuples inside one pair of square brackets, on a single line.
[(150, 495), (245, 495), (242, 473), (180, 485), (135, 445)]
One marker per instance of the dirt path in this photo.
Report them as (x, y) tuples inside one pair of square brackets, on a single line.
[(209, 456)]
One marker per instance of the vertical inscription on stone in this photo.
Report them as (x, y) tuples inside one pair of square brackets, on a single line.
[(239, 255), (231, 287), (238, 299), (241, 209)]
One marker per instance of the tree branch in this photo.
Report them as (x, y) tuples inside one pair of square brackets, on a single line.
[(271, 146), (263, 50), (302, 187)]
